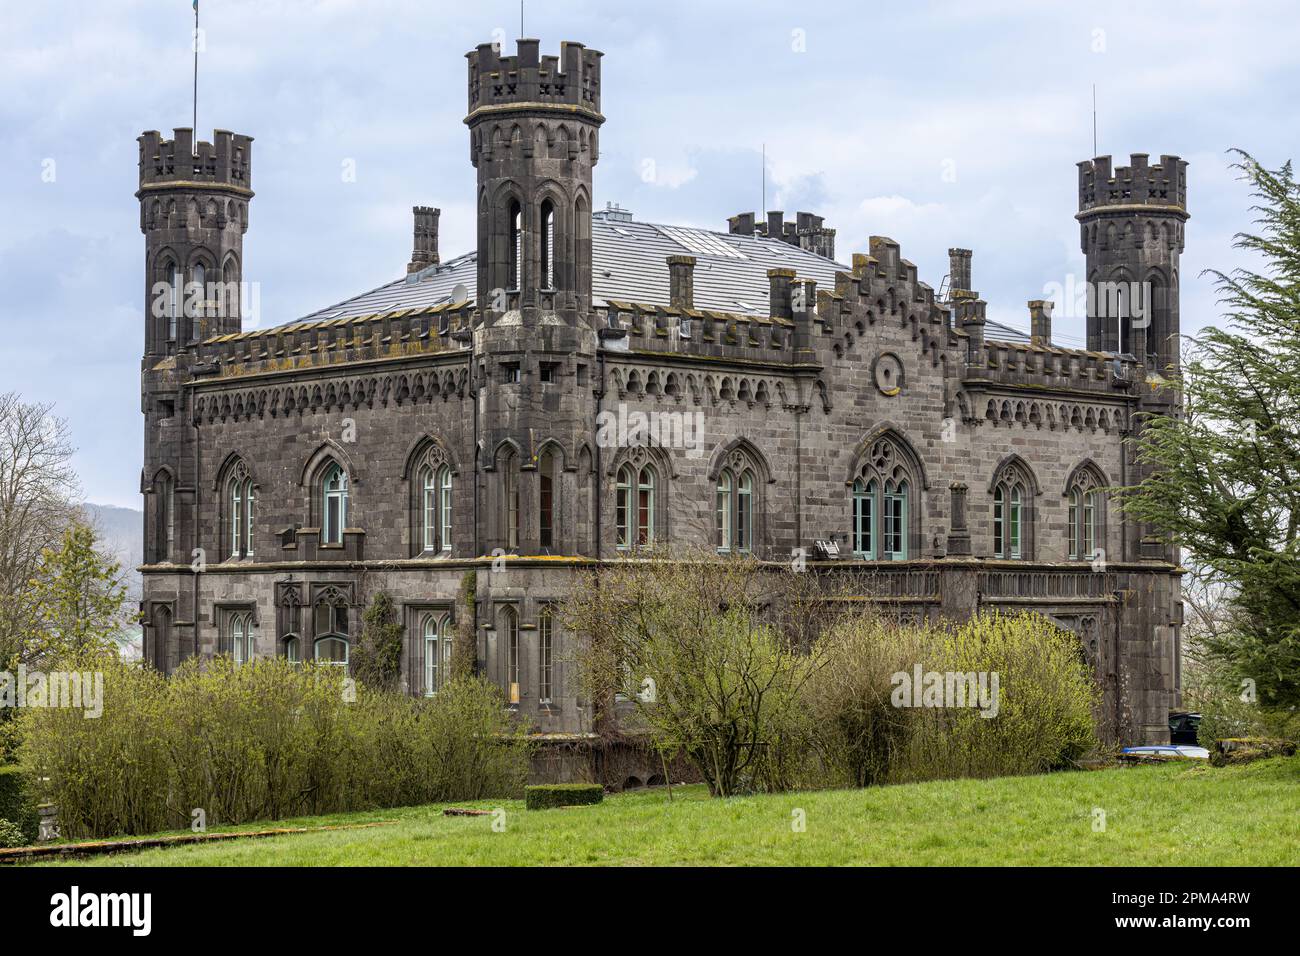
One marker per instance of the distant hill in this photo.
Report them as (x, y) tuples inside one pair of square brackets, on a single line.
[(121, 532)]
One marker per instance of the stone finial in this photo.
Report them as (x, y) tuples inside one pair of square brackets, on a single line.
[(424, 251)]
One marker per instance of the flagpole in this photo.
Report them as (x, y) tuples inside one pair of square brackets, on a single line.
[(195, 43)]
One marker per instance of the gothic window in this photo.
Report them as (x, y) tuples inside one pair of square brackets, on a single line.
[(162, 634), (174, 304), (1013, 512), (292, 649), (435, 507), (735, 510), (334, 504), (240, 505), (635, 506), (330, 620), (229, 291), (510, 499), (883, 521), (197, 291), (510, 637), (546, 652), (863, 533), (1086, 515), (548, 245), (164, 507), (240, 625), (516, 251), (437, 652), (546, 480)]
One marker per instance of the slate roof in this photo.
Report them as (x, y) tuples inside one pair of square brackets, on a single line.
[(628, 266)]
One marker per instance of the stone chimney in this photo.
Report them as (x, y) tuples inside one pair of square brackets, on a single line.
[(1040, 322), (681, 282), (959, 270), (780, 303), (424, 252), (741, 224)]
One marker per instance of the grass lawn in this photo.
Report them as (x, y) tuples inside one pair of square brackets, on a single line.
[(1184, 815)]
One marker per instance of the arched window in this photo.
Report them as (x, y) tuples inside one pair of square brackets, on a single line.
[(164, 506), (724, 509), (240, 505), (510, 636), (437, 652), (229, 291), (510, 502), (444, 506), (334, 504), (292, 649), (175, 305), (635, 506), (429, 507), (1086, 515), (241, 637), (162, 636), (548, 245), (546, 502), (882, 520), (1013, 509), (515, 273), (863, 533), (331, 644), (734, 504), (197, 295), (545, 657)]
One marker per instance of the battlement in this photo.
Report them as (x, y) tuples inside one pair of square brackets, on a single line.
[(226, 162), (1137, 184), (570, 80)]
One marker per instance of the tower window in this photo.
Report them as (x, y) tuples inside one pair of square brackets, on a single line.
[(548, 245), (515, 271), (548, 372), (511, 373)]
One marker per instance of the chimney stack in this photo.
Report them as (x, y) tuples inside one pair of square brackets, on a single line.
[(681, 282), (1040, 322), (741, 224), (424, 252), (780, 302), (959, 270)]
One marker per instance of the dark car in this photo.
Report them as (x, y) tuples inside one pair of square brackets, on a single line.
[(1182, 727)]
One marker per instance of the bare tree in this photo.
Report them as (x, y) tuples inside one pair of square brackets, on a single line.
[(38, 489)]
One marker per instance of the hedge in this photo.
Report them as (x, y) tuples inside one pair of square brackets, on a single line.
[(16, 805), (550, 795)]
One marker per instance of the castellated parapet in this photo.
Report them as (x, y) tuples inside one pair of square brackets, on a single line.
[(1138, 183)]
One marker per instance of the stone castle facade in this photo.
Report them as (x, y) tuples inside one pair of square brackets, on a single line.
[(454, 437)]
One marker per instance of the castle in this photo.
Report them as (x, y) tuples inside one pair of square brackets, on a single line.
[(583, 385)]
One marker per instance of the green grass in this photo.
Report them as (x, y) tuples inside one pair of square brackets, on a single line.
[(1177, 815)]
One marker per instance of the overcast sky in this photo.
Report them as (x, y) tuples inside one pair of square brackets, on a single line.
[(939, 124)]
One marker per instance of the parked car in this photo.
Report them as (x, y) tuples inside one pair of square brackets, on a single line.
[(1183, 726)]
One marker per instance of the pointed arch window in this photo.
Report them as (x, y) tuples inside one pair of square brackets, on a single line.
[(546, 499), (1013, 501), (334, 504), (241, 636), (734, 503), (1086, 515), (174, 305), (546, 655), (516, 250), (510, 635), (164, 508), (241, 507), (635, 506), (292, 649), (548, 245), (331, 644), (437, 652), (881, 516), (196, 299), (510, 499), (435, 507)]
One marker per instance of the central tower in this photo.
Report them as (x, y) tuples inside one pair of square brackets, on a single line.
[(534, 124)]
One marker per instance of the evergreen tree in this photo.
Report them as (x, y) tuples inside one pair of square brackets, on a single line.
[(1227, 485), (78, 597)]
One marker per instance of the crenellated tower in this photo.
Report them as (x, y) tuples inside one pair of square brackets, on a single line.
[(193, 212), (534, 125), (1131, 231)]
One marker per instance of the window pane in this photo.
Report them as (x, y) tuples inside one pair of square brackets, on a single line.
[(444, 484), (248, 517)]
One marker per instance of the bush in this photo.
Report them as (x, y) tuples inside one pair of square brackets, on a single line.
[(1045, 700), (265, 740), (548, 796), (11, 835), (17, 809)]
